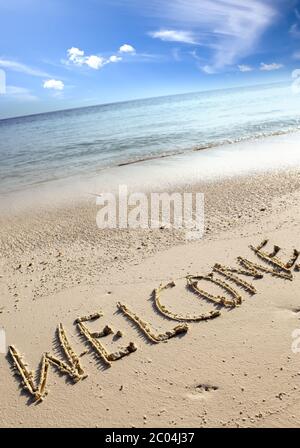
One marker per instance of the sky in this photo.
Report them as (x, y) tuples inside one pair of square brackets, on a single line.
[(60, 54)]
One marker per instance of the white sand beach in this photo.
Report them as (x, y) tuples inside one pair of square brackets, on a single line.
[(236, 370)]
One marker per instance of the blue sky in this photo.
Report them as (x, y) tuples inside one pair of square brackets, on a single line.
[(60, 54)]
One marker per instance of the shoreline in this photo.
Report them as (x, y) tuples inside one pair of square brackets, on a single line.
[(185, 169)]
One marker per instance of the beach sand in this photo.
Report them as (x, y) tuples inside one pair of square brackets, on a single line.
[(237, 370)]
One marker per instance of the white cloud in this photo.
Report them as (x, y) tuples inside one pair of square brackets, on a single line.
[(126, 48), (22, 68), (245, 68), (230, 29), (94, 62), (270, 67), (54, 84), (77, 57), (175, 36)]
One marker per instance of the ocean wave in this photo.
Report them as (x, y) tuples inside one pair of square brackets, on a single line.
[(206, 146)]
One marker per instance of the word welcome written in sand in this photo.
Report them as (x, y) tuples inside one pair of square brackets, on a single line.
[(71, 364)]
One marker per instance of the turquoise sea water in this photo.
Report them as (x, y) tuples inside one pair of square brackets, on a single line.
[(41, 148)]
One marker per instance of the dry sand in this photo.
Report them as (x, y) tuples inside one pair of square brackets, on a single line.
[(236, 370)]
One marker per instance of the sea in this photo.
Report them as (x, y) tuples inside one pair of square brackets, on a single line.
[(42, 148)]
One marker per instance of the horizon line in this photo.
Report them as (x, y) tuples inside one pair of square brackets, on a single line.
[(55, 111)]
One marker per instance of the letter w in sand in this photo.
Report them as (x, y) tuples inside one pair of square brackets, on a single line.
[(72, 367)]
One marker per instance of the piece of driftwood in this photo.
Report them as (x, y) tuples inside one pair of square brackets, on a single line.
[(89, 318), (107, 330), (125, 351)]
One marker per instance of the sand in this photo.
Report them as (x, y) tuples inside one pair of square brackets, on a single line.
[(237, 370)]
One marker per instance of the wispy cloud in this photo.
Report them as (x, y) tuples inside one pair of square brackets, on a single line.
[(230, 29), (19, 93), (176, 54), (22, 68), (186, 37), (149, 58), (295, 28), (208, 69), (245, 68), (296, 55), (270, 67)]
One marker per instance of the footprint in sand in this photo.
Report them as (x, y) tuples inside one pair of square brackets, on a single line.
[(201, 391)]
